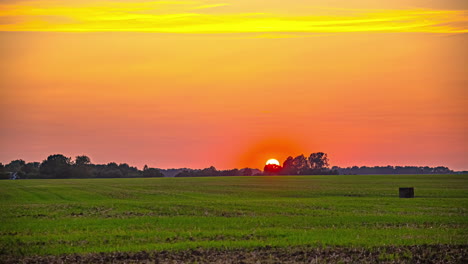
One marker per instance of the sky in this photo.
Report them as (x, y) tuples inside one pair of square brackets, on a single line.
[(235, 83)]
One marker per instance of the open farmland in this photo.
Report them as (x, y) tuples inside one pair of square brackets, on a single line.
[(55, 217)]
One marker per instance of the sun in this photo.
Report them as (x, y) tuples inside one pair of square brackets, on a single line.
[(272, 161)]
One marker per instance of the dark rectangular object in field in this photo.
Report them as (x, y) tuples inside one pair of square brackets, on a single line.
[(407, 192)]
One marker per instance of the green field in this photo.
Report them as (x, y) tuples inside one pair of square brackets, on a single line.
[(50, 217)]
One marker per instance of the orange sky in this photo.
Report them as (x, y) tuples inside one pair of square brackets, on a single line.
[(233, 83)]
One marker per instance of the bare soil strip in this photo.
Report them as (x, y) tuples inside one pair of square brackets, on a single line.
[(387, 254)]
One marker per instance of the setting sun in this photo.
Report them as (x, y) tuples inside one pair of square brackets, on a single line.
[(272, 161)]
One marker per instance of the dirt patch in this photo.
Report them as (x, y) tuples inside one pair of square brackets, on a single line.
[(390, 254)]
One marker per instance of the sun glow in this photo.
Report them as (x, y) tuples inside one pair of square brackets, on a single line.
[(272, 161)]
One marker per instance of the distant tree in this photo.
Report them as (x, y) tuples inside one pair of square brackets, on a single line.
[(288, 167), (56, 166), (145, 167), (110, 170), (318, 161), (112, 165), (31, 170), (3, 173), (233, 172), (295, 166), (128, 171), (187, 173), (124, 166), (300, 164), (82, 167), (442, 170), (15, 165), (82, 160), (211, 171), (246, 172), (152, 172)]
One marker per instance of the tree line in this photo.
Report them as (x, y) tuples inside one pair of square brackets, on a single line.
[(58, 166), (212, 171), (355, 170)]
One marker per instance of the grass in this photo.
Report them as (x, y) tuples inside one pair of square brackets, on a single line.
[(106, 215)]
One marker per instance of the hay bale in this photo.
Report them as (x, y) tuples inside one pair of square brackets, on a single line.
[(407, 192)]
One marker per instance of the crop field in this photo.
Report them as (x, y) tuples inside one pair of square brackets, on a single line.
[(233, 214)]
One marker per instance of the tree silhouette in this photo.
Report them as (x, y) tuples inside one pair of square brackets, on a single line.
[(81, 168), (56, 166), (288, 167), (318, 161), (15, 165), (82, 160), (246, 172), (300, 164)]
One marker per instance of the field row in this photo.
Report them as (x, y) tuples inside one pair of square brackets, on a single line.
[(130, 215)]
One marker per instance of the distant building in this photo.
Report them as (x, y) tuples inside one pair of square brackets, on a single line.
[(14, 176)]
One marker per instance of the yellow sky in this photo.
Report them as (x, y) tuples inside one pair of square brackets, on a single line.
[(234, 83), (223, 17)]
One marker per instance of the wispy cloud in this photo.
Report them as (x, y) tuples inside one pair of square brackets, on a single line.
[(209, 6), (190, 17)]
